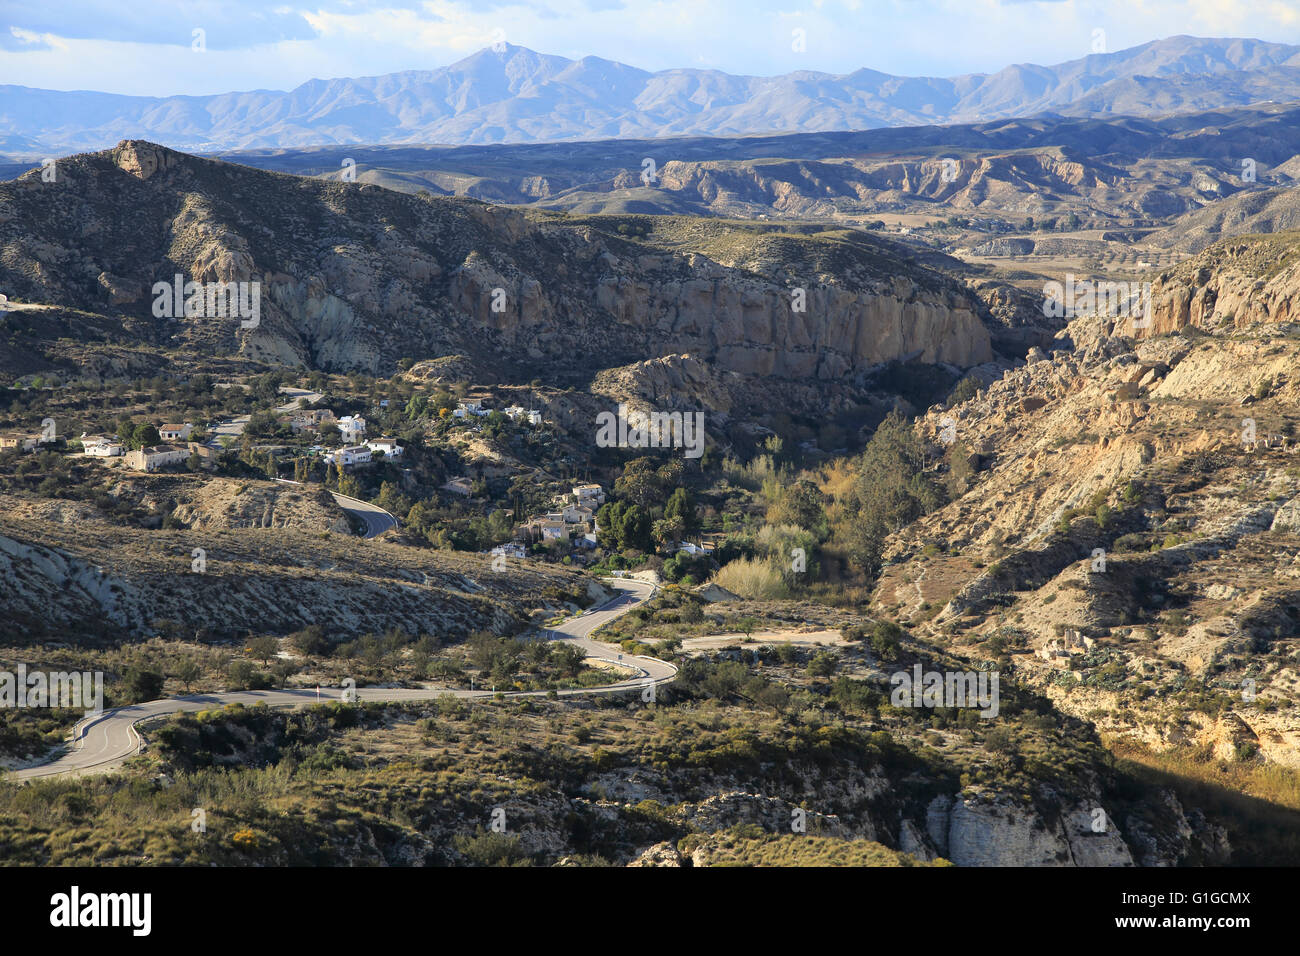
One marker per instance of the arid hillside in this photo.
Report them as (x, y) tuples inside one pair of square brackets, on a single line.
[(355, 277), (1129, 532), (236, 557)]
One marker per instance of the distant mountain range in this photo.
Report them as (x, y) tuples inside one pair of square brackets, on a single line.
[(515, 95)]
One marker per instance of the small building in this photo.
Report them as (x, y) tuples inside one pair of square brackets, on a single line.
[(388, 446), (155, 457), (102, 446), (465, 409), (207, 454), (170, 433), (589, 495), (352, 427), (694, 549), (517, 413), (512, 549), (553, 530), (459, 486), (575, 514), (20, 441), (349, 456), (310, 419)]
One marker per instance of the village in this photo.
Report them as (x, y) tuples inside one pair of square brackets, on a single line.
[(337, 450)]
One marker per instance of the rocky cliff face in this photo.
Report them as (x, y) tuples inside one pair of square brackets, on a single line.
[(353, 276), (1232, 285), (1128, 532)]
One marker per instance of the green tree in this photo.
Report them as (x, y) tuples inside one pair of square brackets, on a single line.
[(264, 648), (417, 407), (891, 490), (640, 483), (634, 529), (144, 435), (682, 506), (188, 672), (800, 505), (668, 531), (143, 684), (310, 640)]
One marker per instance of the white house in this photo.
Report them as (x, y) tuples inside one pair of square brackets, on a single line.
[(351, 455), (352, 427), (690, 548), (512, 550), (518, 412), (102, 446), (465, 409), (388, 446), (175, 432)]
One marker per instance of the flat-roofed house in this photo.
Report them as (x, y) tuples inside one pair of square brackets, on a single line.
[(352, 427), (102, 446), (20, 441)]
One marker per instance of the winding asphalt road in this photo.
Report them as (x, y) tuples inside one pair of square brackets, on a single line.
[(104, 741), (375, 518)]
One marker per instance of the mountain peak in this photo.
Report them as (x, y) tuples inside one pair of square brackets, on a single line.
[(506, 93), (142, 159)]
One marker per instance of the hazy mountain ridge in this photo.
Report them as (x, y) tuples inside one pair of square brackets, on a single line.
[(517, 96)]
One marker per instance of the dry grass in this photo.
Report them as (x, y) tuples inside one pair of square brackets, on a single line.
[(756, 579)]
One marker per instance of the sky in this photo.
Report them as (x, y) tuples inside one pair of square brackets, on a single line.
[(213, 46)]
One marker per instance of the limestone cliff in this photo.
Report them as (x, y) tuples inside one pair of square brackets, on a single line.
[(354, 277)]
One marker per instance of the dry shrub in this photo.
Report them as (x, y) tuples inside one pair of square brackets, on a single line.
[(755, 579)]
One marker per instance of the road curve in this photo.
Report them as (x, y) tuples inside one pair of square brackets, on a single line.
[(104, 741), (375, 518)]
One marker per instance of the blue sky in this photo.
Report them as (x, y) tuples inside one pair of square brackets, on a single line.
[(142, 47)]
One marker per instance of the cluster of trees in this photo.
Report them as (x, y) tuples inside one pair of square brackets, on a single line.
[(651, 508), (890, 491), (444, 528), (624, 527), (135, 436)]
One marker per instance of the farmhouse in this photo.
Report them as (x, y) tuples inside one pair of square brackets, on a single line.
[(310, 419), (16, 440), (155, 457), (589, 496), (349, 456), (459, 486), (102, 446), (352, 427), (170, 433), (388, 446)]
